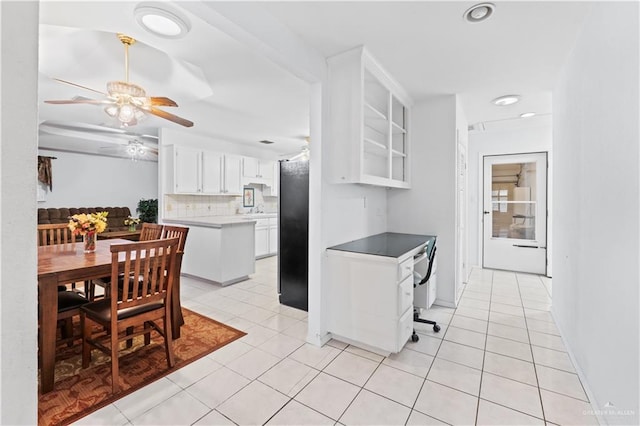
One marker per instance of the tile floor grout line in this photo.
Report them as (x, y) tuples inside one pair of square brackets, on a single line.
[(484, 355), (535, 370)]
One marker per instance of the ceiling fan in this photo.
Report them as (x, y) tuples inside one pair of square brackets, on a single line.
[(135, 149), (126, 101)]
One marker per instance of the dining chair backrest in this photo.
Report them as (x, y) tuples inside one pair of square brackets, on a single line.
[(55, 233), (176, 231), (148, 273), (150, 231)]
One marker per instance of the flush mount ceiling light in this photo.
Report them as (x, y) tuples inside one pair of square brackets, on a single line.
[(478, 13), (506, 100), (161, 22), (527, 114)]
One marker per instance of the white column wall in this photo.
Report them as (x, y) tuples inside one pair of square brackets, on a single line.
[(18, 246), (533, 135), (429, 206), (596, 203)]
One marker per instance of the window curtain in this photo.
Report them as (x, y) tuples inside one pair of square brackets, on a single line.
[(44, 171)]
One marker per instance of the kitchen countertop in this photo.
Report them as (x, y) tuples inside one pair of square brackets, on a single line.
[(388, 244), (220, 221)]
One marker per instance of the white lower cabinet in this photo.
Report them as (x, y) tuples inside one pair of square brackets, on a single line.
[(219, 254), (266, 237), (371, 300), (262, 238)]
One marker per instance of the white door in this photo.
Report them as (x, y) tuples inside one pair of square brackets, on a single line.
[(461, 228), (515, 212)]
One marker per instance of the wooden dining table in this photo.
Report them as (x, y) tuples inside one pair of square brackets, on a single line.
[(67, 263)]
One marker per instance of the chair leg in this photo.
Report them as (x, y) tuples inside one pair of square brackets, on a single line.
[(147, 336), (129, 341), (168, 341), (67, 331), (86, 335), (115, 374)]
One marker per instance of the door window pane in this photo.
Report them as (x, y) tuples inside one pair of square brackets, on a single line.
[(513, 199)]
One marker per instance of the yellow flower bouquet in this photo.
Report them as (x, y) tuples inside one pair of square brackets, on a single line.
[(88, 225)]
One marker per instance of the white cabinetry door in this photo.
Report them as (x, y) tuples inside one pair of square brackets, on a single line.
[(232, 179), (262, 241), (266, 169), (187, 170), (212, 172), (250, 167)]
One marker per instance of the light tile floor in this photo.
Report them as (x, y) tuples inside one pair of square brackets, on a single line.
[(498, 360)]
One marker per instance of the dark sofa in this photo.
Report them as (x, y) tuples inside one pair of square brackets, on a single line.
[(115, 219)]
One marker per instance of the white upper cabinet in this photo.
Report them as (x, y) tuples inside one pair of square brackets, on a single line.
[(186, 171), (370, 115), (262, 170), (232, 175), (194, 171), (211, 163)]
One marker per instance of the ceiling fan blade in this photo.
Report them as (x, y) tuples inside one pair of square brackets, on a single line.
[(80, 101), (82, 87), (169, 116), (162, 101)]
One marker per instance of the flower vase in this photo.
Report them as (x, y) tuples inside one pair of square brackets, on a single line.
[(90, 242), (132, 228)]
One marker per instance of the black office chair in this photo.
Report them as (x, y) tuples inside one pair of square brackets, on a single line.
[(416, 311)]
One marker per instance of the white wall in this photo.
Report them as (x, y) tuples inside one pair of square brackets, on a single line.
[(429, 206), (524, 135), (82, 180), (596, 202), (18, 246)]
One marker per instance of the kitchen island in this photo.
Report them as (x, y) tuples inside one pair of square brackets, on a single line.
[(219, 248)]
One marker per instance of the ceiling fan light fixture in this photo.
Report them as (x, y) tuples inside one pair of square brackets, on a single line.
[(126, 114), (161, 22)]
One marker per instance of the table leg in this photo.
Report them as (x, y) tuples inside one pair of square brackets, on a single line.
[(177, 320), (48, 305)]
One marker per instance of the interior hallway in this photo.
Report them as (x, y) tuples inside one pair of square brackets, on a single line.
[(497, 360)]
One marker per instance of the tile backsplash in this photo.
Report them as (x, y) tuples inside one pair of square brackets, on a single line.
[(214, 205)]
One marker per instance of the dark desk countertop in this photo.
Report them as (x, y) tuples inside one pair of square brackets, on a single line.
[(389, 244)]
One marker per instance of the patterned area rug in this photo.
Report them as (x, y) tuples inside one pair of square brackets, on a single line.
[(78, 392)]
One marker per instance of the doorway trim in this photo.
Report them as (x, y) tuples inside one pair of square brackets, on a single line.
[(480, 203)]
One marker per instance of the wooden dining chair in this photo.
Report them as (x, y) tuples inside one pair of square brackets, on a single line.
[(69, 302), (55, 233), (149, 231), (145, 298), (181, 232)]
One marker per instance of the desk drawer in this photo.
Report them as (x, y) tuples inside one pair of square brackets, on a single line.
[(405, 329), (405, 269), (405, 295)]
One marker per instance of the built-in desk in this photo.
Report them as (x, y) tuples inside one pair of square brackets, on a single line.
[(370, 290)]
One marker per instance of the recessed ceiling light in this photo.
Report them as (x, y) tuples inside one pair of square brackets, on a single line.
[(506, 100), (161, 22), (527, 114), (479, 12)]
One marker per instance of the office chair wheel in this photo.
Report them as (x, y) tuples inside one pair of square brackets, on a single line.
[(436, 328), (414, 337)]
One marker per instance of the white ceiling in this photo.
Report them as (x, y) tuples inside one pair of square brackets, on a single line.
[(233, 94)]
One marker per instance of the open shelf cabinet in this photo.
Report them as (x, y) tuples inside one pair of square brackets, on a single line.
[(370, 122)]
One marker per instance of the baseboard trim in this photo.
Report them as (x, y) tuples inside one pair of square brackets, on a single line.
[(597, 408)]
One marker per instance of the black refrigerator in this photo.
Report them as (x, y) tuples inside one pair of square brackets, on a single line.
[(293, 238)]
